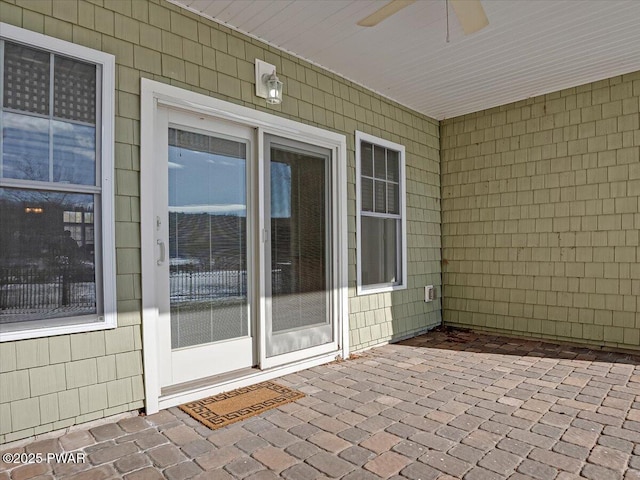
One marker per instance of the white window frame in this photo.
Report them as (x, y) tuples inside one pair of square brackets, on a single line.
[(381, 287), (105, 243)]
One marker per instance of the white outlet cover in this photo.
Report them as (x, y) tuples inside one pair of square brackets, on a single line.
[(429, 293)]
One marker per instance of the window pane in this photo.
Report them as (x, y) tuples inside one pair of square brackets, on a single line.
[(380, 257), (299, 246), (25, 147), (26, 79), (393, 195), (203, 143), (207, 239), (74, 89), (379, 162), (367, 194), (381, 197), (47, 265), (74, 153), (366, 159), (393, 166)]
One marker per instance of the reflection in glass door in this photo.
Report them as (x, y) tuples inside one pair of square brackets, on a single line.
[(207, 248), (299, 257)]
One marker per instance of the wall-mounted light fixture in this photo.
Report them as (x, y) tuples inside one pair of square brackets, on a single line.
[(33, 210), (267, 84)]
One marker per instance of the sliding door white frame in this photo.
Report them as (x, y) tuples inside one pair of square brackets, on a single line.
[(319, 331), (155, 94)]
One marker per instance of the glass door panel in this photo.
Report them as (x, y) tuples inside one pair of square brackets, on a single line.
[(207, 239), (299, 257)]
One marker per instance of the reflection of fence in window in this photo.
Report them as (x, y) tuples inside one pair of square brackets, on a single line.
[(194, 284), (33, 290)]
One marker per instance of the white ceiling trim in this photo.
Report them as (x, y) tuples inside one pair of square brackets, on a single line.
[(293, 54), (530, 48)]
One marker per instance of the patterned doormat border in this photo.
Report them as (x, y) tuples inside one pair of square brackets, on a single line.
[(226, 408)]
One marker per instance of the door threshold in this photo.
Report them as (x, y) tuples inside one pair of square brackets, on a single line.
[(207, 381), (193, 390)]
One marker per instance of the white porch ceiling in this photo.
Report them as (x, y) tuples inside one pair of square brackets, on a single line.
[(530, 47)]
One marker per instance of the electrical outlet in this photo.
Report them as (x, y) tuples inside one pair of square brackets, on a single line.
[(429, 293)]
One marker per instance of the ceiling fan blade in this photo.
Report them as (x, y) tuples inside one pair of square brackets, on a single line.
[(470, 14), (386, 11)]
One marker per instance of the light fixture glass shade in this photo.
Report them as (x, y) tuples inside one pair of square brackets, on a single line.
[(274, 89)]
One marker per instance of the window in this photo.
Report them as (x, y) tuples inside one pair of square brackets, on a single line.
[(57, 271), (381, 231)]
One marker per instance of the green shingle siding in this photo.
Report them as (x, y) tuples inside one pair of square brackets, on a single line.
[(98, 374)]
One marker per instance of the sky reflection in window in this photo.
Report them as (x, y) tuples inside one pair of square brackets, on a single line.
[(74, 153), (25, 149)]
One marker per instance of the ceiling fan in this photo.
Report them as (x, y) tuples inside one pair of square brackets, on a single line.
[(470, 14)]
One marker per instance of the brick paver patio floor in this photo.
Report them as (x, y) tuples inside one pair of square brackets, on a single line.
[(439, 406)]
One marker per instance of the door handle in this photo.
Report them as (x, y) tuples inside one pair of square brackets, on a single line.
[(162, 252)]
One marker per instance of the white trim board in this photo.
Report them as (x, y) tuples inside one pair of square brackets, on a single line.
[(175, 399), (154, 94)]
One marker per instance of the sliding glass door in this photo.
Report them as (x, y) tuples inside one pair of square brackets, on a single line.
[(204, 253), (299, 250), (245, 260), (243, 245)]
